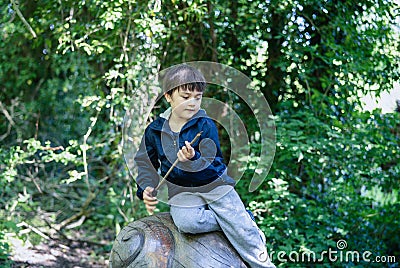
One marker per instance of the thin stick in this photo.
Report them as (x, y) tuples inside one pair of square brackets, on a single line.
[(173, 165), (32, 228), (15, 5)]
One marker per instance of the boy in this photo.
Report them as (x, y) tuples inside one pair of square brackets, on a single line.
[(201, 194)]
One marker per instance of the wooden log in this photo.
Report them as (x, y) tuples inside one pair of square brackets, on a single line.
[(155, 242)]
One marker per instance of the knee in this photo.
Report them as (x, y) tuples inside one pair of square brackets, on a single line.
[(186, 222), (187, 226)]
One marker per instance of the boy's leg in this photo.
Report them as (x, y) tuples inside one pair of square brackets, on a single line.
[(237, 225), (191, 215)]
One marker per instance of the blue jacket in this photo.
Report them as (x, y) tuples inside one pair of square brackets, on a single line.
[(158, 151)]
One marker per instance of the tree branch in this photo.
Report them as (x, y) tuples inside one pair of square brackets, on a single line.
[(19, 13)]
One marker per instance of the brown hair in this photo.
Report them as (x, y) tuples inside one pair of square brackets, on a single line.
[(184, 77)]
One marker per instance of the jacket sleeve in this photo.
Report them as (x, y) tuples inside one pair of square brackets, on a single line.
[(147, 164), (207, 162)]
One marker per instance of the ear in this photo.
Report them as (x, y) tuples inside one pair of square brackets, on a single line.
[(167, 97)]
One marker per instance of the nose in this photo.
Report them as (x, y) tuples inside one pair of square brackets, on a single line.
[(192, 102)]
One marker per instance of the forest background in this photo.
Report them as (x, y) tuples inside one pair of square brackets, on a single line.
[(70, 69)]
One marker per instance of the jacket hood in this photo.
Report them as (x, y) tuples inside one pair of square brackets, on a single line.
[(166, 114)]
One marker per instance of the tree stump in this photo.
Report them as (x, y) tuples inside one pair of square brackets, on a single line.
[(156, 242)]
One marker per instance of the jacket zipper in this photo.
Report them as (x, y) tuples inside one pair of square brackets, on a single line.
[(175, 137)]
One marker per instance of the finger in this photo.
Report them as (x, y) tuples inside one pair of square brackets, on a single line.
[(190, 150), (151, 203), (189, 155), (188, 146), (149, 193), (149, 190), (184, 150), (148, 196), (181, 156), (186, 153), (150, 208)]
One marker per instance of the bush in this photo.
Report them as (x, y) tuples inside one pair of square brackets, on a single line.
[(332, 180)]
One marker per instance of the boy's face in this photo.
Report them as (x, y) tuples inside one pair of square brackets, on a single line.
[(184, 103)]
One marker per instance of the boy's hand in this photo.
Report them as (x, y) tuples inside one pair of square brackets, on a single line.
[(186, 153), (149, 200)]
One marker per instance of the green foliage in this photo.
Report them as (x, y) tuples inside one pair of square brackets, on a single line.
[(4, 251), (329, 182)]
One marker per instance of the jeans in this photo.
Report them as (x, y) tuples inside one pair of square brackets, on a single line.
[(221, 209)]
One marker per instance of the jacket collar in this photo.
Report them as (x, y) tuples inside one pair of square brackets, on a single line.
[(161, 124), (166, 114)]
